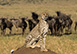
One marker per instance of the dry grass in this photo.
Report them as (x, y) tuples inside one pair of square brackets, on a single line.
[(66, 44)]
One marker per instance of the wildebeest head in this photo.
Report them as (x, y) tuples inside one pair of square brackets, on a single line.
[(14, 21), (23, 18), (3, 19), (58, 13), (34, 15), (68, 17)]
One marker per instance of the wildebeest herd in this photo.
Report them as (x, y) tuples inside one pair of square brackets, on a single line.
[(57, 24)]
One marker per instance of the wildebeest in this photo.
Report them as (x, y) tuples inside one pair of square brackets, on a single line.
[(57, 25), (75, 27), (19, 23), (5, 23), (9, 25), (38, 33), (51, 22), (33, 22), (66, 19)]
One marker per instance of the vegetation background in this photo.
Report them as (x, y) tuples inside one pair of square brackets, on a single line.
[(66, 44)]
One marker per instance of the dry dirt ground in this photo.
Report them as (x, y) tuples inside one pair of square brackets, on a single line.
[(24, 50)]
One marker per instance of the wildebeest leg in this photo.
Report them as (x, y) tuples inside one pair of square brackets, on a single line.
[(16, 29), (69, 30), (30, 28), (51, 31), (75, 29), (54, 31), (23, 30), (58, 30), (61, 30), (55, 28), (66, 30), (10, 30), (3, 32)]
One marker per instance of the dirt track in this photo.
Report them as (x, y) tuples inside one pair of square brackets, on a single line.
[(24, 50)]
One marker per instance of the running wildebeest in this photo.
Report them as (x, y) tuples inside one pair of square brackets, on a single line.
[(20, 23), (55, 25), (66, 19), (5, 23), (9, 25)]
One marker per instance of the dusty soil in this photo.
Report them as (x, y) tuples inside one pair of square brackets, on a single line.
[(24, 50)]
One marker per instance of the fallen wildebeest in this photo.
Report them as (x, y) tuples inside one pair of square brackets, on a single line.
[(5, 23), (75, 27), (38, 33), (33, 22), (66, 19), (20, 23)]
